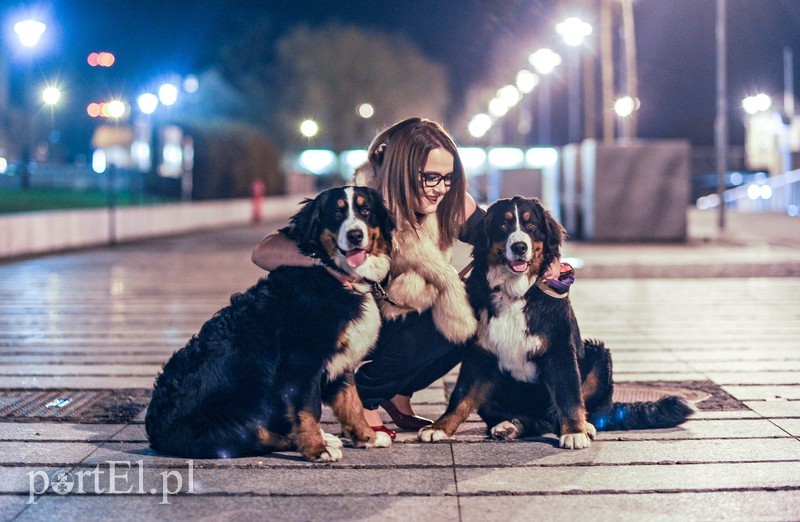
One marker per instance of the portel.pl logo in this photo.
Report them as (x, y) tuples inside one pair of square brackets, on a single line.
[(114, 478)]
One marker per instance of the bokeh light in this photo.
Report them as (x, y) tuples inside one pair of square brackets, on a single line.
[(309, 128), (51, 95), (168, 94), (147, 102), (573, 30), (29, 32), (366, 110)]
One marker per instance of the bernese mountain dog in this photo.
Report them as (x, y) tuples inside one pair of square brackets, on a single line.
[(254, 378), (528, 372)]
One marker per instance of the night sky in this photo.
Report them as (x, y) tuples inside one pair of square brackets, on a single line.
[(675, 44)]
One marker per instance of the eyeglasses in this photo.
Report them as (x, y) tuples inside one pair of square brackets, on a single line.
[(432, 179)]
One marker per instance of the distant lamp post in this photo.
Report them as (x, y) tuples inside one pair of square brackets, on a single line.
[(624, 108), (309, 128), (116, 109), (766, 143), (51, 95), (366, 110), (147, 102), (544, 61), (757, 103), (168, 94), (574, 31), (479, 125), (29, 32)]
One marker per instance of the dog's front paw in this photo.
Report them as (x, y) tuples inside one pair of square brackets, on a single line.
[(590, 430), (382, 440), (507, 430), (431, 434), (331, 440), (329, 454), (575, 441)]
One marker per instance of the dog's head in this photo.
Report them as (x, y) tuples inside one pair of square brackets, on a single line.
[(519, 237), (348, 227)]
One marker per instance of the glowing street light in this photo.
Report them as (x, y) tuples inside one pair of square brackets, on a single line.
[(624, 106), (147, 102), (573, 30), (757, 103), (29, 32), (526, 81), (309, 128), (545, 60), (116, 109), (479, 125), (366, 110), (168, 94), (51, 95)]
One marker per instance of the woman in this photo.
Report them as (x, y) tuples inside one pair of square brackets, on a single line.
[(414, 164)]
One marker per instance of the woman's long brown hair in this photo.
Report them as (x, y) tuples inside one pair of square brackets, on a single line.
[(397, 155)]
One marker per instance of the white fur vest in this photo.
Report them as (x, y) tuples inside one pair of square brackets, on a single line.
[(422, 277)]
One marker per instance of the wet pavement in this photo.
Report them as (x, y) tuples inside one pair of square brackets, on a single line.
[(719, 314)]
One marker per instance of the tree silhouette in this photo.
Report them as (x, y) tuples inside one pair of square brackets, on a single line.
[(326, 73)]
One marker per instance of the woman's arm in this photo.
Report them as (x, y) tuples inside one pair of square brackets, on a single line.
[(278, 250)]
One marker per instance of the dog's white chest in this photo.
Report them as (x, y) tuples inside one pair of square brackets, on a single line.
[(356, 340), (506, 336)]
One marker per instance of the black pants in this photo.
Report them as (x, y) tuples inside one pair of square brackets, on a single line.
[(409, 356)]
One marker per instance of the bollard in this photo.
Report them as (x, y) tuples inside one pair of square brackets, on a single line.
[(258, 199)]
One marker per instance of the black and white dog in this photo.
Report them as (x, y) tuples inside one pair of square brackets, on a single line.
[(253, 380), (528, 371)]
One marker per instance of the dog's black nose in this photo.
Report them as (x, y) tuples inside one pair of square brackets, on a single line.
[(355, 236), (519, 248)]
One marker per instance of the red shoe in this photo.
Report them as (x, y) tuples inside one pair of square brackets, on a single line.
[(391, 433), (403, 421)]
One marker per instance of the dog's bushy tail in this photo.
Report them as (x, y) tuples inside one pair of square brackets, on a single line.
[(666, 412)]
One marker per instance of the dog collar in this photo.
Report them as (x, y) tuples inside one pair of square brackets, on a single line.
[(558, 287), (377, 290)]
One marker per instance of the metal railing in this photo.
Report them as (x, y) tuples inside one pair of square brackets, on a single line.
[(780, 194)]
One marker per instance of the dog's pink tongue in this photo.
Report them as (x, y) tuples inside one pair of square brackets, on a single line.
[(518, 266), (356, 257)]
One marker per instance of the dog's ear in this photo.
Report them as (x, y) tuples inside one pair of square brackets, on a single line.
[(479, 236), (385, 220), (304, 226), (555, 237)]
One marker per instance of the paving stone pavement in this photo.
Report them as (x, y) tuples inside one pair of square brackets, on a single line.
[(106, 319)]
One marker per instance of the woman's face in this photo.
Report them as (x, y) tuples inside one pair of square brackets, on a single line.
[(438, 167)]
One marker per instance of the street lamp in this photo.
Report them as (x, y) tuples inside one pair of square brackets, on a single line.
[(544, 61), (479, 125), (147, 102), (757, 103), (168, 94), (51, 95), (574, 31), (366, 110), (29, 32), (309, 128), (624, 108)]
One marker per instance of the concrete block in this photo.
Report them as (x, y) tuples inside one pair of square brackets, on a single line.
[(635, 192)]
